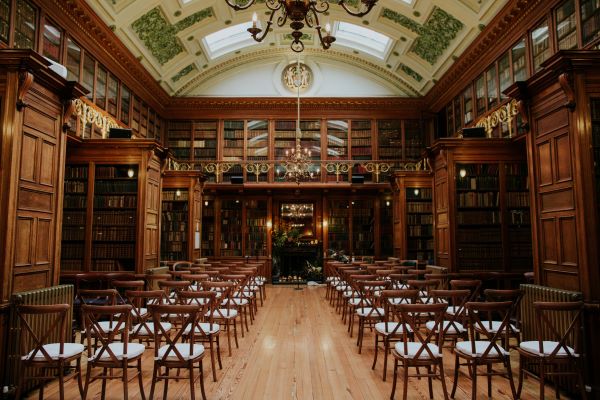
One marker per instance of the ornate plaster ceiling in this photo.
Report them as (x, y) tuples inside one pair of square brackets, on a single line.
[(167, 37)]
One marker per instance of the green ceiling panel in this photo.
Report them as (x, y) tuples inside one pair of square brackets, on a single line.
[(183, 72), (434, 36), (160, 37), (410, 72)]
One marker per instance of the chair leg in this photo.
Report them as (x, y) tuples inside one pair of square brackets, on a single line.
[(79, 376), (520, 386), (192, 391), (395, 378), (212, 357), (455, 383), (219, 352), (376, 346), (510, 378), (61, 381), (429, 383), (474, 379), (105, 374), (443, 379), (21, 372), (140, 378), (580, 381), (87, 381), (125, 379), (542, 380), (153, 383), (166, 385), (202, 381), (386, 351), (405, 386), (235, 333), (228, 327), (489, 380)]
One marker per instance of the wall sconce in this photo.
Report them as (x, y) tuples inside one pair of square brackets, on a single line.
[(269, 224), (130, 172), (177, 193), (416, 192), (387, 203), (205, 203), (462, 172), (324, 223)]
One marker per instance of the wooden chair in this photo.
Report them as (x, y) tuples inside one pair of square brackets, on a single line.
[(514, 326), (560, 348), (485, 352), (103, 297), (206, 330), (111, 353), (420, 352), (454, 324), (371, 311), (38, 354), (142, 327), (390, 329), (224, 315), (181, 265), (176, 354)]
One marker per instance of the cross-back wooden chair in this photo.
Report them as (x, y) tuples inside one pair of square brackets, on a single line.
[(554, 347), (455, 323), (105, 297), (371, 310), (514, 325), (352, 298), (153, 279), (487, 351), (241, 298), (205, 330), (391, 328), (111, 353), (400, 281), (181, 266), (36, 352), (123, 286), (224, 315), (417, 349), (196, 280), (142, 327), (175, 353)]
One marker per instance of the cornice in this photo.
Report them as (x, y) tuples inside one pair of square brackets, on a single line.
[(235, 62), (77, 14), (504, 25)]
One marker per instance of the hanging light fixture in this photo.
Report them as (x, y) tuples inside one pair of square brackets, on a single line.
[(297, 162), (300, 13)]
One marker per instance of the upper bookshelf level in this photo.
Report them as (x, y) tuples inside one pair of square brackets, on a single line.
[(252, 150)]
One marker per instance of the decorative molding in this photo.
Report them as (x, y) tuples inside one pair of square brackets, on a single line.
[(410, 72), (183, 72), (69, 110), (88, 113), (564, 80), (502, 115), (337, 168), (25, 82), (435, 35), (232, 63)]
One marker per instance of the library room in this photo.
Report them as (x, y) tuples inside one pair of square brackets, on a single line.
[(299, 199)]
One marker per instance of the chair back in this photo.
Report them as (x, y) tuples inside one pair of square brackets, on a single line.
[(56, 314), (457, 299), (206, 300), (120, 323), (480, 315), (474, 285), (548, 314), (171, 354), (390, 300), (181, 265), (410, 314), (172, 287)]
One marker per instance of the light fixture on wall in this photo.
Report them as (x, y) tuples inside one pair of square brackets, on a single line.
[(300, 13), (130, 172), (462, 172), (297, 161)]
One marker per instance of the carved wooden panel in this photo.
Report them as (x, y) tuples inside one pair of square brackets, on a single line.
[(151, 228)]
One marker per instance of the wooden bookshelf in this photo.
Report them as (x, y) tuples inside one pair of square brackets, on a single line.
[(114, 223), (386, 223), (180, 139), (590, 20), (123, 204), (74, 217), (520, 257), (478, 224), (415, 140), (361, 145), (181, 215), (540, 42), (208, 227), (419, 224), (519, 61), (233, 147), (337, 146), (257, 146), (231, 228), (256, 227), (284, 139), (205, 140), (566, 25), (338, 228), (389, 139), (363, 227)]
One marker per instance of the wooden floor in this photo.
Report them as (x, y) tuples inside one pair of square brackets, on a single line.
[(298, 348)]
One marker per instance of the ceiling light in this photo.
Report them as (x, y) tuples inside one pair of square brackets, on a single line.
[(300, 13)]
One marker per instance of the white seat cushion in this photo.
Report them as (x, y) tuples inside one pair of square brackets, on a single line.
[(370, 312), (148, 328), (413, 348), (224, 313), (380, 327), (480, 348), (133, 350), (358, 301), (236, 301), (452, 328), (53, 350), (106, 326), (184, 350), (549, 346), (399, 300), (493, 326), (451, 310), (204, 329)]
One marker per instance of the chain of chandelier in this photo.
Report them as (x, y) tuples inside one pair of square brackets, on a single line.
[(301, 13)]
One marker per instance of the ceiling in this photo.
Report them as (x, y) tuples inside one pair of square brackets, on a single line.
[(171, 40)]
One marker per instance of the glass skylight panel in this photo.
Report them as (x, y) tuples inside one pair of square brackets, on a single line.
[(361, 38), (228, 40)]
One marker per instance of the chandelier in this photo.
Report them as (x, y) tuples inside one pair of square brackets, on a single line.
[(297, 161), (297, 211), (300, 13)]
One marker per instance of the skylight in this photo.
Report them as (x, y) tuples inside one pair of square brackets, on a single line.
[(362, 39), (228, 40)]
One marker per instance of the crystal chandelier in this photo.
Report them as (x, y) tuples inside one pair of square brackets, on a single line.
[(297, 163), (300, 13)]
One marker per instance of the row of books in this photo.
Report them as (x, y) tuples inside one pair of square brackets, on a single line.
[(114, 218), (73, 232), (180, 143), (205, 143), (480, 251), (172, 195), (419, 193), (205, 153), (114, 233), (361, 142), (181, 153), (205, 125), (175, 223), (120, 186), (73, 218), (233, 134), (477, 183), (205, 134), (419, 244), (419, 219), (231, 244), (478, 199), (420, 207), (71, 265), (420, 230), (70, 201), (482, 235), (361, 151), (233, 124), (112, 265), (517, 199), (366, 133), (72, 172), (115, 201), (478, 217), (75, 186), (385, 152), (113, 250), (304, 125), (106, 172), (175, 236), (179, 134), (179, 125), (72, 251)]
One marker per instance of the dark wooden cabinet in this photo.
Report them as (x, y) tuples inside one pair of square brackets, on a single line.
[(481, 205), (181, 215), (121, 180)]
